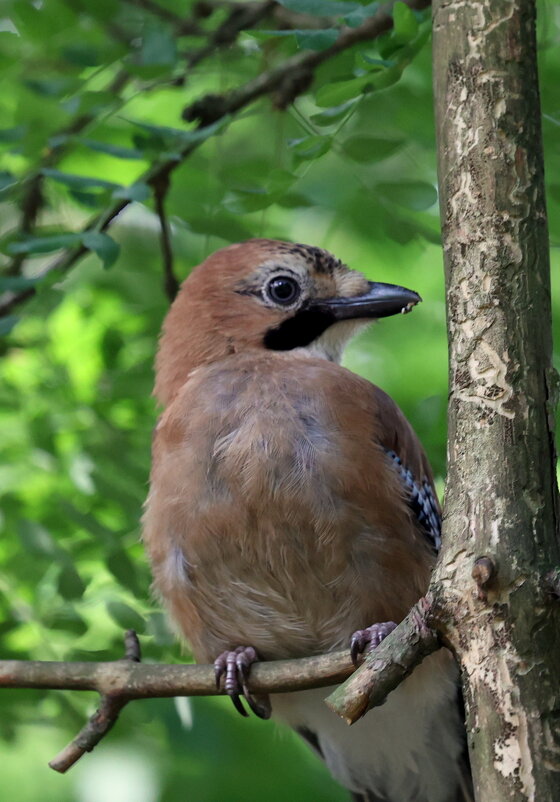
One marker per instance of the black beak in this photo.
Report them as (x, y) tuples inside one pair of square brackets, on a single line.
[(381, 300)]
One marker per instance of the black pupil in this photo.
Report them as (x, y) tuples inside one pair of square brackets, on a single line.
[(283, 290)]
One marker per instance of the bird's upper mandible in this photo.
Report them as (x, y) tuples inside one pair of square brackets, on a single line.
[(268, 294)]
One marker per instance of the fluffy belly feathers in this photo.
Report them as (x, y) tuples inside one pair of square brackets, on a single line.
[(270, 547)]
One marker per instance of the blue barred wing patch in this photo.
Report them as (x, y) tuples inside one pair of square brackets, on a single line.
[(422, 502)]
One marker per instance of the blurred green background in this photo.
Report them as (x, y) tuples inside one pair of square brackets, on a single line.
[(350, 172)]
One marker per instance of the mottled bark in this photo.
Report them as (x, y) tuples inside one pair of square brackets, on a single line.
[(501, 497)]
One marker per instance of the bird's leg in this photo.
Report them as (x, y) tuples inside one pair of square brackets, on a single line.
[(234, 665), (365, 640)]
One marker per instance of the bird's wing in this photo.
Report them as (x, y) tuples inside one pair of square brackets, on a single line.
[(407, 456)]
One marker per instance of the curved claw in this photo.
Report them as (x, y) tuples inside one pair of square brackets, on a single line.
[(238, 704), (365, 640), (235, 666)]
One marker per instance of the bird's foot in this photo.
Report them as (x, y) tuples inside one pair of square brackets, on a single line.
[(234, 666), (365, 640)]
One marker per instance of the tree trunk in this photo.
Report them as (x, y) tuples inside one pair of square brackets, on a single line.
[(501, 496)]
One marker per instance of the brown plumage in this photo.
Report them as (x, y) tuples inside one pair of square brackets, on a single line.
[(276, 517)]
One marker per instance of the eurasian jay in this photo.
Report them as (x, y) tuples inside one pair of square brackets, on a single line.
[(292, 509)]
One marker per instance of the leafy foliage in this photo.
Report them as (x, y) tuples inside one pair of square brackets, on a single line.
[(91, 112)]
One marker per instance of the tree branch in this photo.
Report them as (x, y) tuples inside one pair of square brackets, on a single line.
[(386, 666), (170, 283), (143, 681), (288, 81), (122, 681)]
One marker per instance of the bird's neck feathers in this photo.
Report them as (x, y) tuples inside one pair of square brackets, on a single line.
[(205, 325), (332, 342), (196, 334)]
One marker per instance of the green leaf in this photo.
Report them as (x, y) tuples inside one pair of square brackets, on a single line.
[(316, 40), (294, 200), (361, 14), (405, 24), (222, 225), (101, 244), (83, 55), (7, 180), (333, 114), (43, 244), (121, 566), (125, 616), (416, 195), (159, 629), (90, 102), (16, 283), (7, 324), (178, 137), (118, 151), (158, 47), (247, 201), (339, 92), (368, 149), (14, 134), (321, 8), (36, 539), (51, 87), (305, 38), (310, 147), (66, 619), (377, 62), (136, 192), (279, 181), (92, 200), (70, 584), (77, 181)]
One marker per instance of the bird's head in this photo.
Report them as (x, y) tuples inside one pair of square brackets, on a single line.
[(268, 295)]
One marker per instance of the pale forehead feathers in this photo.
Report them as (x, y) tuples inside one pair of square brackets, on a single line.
[(318, 270)]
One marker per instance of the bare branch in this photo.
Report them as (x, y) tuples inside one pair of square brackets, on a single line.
[(142, 681), (241, 18), (122, 681), (89, 736), (170, 284), (385, 667), (102, 720)]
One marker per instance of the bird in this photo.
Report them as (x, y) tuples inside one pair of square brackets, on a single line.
[(292, 509)]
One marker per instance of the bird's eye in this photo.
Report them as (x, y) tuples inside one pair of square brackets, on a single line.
[(283, 290)]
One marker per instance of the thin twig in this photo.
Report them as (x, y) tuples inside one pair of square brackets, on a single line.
[(104, 717), (242, 17), (289, 80), (386, 666), (89, 736), (170, 284)]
